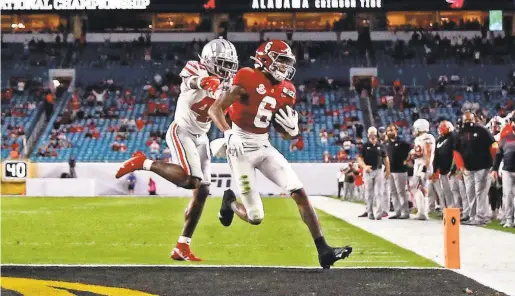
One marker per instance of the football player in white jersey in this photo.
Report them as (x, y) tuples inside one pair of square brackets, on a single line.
[(202, 83), (424, 153)]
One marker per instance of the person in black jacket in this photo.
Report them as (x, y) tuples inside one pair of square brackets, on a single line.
[(474, 148), (398, 152), (443, 162), (457, 182)]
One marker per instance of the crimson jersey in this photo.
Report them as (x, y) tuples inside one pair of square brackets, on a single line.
[(253, 113)]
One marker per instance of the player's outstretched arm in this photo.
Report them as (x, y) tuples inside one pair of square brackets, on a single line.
[(216, 111), (233, 143)]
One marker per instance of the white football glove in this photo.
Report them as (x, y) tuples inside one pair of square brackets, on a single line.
[(234, 143), (289, 120)]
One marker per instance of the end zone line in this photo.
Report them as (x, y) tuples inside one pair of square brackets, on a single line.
[(210, 266)]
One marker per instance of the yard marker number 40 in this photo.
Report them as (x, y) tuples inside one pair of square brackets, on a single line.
[(15, 170)]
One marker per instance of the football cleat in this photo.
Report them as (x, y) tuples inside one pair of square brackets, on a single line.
[(328, 257), (226, 213), (132, 164), (182, 252)]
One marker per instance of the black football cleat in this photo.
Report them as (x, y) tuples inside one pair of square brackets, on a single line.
[(226, 213), (364, 215), (331, 255)]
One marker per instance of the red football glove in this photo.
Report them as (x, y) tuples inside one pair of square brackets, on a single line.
[(209, 83)]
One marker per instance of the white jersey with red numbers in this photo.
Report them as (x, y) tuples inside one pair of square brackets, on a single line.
[(251, 115), (193, 104), (420, 147)]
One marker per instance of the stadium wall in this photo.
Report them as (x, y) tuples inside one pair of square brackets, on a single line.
[(237, 36), (97, 179)]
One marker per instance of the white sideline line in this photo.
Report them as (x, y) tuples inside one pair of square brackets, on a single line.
[(210, 266)]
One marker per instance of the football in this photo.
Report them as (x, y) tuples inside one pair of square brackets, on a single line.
[(277, 127)]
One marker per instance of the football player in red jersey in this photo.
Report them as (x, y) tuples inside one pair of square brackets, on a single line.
[(259, 94)]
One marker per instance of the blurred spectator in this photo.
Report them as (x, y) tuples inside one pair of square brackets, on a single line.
[(71, 164), (152, 190), (99, 96), (154, 150), (131, 183), (140, 124), (342, 155), (115, 146), (324, 136), (327, 157), (49, 106), (14, 154), (167, 154), (123, 147)]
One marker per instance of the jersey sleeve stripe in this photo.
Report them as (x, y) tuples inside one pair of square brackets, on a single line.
[(191, 71)]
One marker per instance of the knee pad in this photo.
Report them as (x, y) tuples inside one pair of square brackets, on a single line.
[(203, 191)]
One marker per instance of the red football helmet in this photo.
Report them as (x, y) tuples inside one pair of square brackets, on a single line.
[(276, 58)]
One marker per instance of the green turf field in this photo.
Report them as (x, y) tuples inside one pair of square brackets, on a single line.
[(143, 231), (495, 225)]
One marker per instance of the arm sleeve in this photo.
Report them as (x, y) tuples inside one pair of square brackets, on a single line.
[(458, 160), (361, 151), (383, 152), (498, 157)]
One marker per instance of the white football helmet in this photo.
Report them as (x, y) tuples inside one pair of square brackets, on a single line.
[(495, 124), (220, 58), (420, 126)]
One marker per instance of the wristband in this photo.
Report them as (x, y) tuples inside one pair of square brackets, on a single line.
[(199, 82)]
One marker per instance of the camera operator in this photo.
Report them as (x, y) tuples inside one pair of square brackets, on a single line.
[(71, 163)]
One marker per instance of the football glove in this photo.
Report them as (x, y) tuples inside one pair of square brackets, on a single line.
[(209, 83), (234, 143), (289, 120)]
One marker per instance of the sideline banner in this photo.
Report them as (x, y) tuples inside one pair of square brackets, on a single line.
[(60, 187), (318, 179)]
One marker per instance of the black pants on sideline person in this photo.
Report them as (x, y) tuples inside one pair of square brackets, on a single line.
[(340, 187), (495, 196)]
